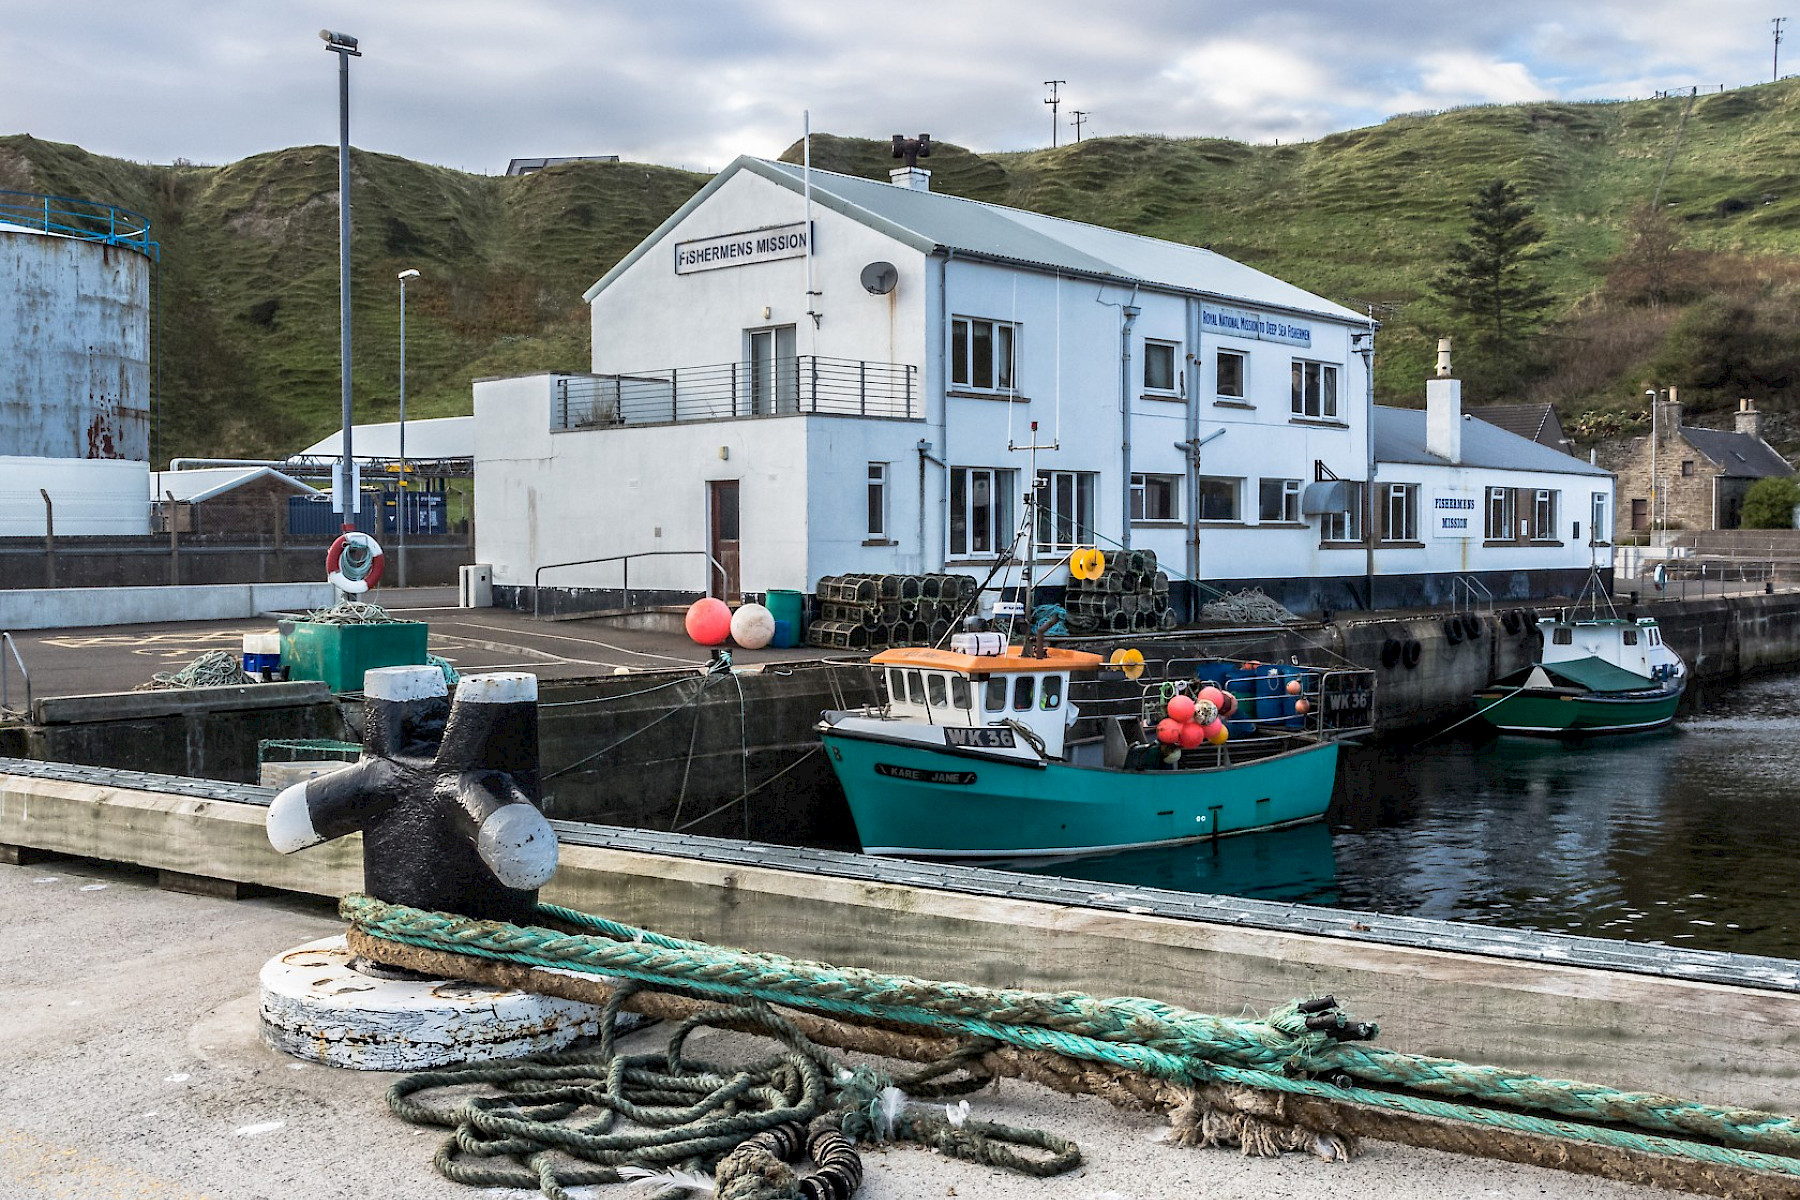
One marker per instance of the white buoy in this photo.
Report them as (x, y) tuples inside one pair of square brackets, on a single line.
[(752, 626), (315, 1006)]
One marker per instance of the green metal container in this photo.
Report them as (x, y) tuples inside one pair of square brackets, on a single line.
[(340, 654)]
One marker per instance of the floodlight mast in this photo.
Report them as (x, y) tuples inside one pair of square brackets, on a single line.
[(345, 495)]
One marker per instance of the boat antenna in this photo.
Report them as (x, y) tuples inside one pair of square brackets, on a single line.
[(1032, 649)]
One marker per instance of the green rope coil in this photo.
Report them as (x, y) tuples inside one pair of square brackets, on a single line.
[(1147, 1036)]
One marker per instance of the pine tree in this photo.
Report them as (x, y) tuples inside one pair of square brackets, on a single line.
[(1489, 281)]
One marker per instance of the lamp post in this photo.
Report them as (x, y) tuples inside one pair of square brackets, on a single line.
[(401, 507), (345, 497)]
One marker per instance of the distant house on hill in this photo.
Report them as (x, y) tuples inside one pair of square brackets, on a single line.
[(1533, 422), (526, 166), (1700, 475)]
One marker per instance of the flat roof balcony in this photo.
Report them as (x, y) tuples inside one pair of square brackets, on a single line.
[(803, 385)]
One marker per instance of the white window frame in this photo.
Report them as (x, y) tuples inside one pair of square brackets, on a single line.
[(1003, 374), (1288, 502), (1236, 485), (1242, 395), (1345, 526), (1600, 531), (1544, 503), (1501, 529), (1406, 496), (1140, 496), (1177, 377), (1060, 527), (878, 502), (998, 532), (1315, 390)]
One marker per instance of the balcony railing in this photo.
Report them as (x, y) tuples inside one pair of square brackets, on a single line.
[(806, 384), (85, 219)]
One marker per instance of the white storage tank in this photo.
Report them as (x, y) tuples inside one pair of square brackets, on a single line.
[(74, 329)]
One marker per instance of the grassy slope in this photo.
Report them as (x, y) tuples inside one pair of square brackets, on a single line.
[(249, 271)]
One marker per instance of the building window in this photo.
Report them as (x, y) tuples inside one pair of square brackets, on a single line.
[(1640, 514), (1500, 515), (980, 510), (1159, 366), (1400, 512), (1543, 515), (1687, 468), (1065, 515), (1315, 390), (1229, 374), (1344, 526), (1597, 523), (878, 501), (982, 354), (1156, 497), (1216, 499), (1278, 501), (774, 371)]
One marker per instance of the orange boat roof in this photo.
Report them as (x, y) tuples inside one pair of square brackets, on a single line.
[(1013, 661)]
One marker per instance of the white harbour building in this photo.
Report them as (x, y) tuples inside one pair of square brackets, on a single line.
[(804, 375)]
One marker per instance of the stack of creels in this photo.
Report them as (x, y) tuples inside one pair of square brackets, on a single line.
[(873, 612), (1130, 596)]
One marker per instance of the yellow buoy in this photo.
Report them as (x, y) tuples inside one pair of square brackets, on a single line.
[(1129, 662), (1087, 563)]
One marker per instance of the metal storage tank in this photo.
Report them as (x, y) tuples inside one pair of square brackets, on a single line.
[(74, 329)]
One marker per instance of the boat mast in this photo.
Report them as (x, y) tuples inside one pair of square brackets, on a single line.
[(1031, 507)]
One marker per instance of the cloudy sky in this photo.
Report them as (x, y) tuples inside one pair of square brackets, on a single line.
[(471, 84)]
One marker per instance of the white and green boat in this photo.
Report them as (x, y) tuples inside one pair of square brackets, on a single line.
[(1598, 675), (972, 757)]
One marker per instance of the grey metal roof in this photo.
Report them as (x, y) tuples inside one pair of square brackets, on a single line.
[(430, 437), (932, 221), (1400, 438), (1739, 454)]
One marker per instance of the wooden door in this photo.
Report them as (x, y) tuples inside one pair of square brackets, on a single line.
[(722, 498)]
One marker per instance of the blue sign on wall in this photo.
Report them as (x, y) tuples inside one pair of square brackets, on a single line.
[(1241, 322)]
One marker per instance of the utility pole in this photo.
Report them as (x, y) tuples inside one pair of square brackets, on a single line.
[(345, 496), (1775, 71), (1054, 102), (1079, 118)]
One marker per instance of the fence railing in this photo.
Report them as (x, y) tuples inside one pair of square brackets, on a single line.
[(804, 384), (85, 219)]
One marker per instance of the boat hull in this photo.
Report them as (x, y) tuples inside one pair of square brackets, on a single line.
[(1557, 714), (916, 801)]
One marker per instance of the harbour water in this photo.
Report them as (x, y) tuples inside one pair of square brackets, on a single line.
[(1689, 837)]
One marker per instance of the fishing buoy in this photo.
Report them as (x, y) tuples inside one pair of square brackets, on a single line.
[(1217, 734), (1229, 705), (1192, 734), (1181, 708), (708, 621), (354, 563), (1205, 712), (1302, 707), (752, 626), (1212, 696), (1129, 662), (1293, 687), (1168, 731), (1660, 577)]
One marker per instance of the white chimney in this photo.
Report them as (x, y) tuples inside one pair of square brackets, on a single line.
[(916, 178), (1443, 409)]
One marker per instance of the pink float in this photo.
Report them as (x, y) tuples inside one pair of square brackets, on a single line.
[(708, 621)]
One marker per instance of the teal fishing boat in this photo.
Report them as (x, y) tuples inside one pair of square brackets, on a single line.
[(981, 752), (1598, 675)]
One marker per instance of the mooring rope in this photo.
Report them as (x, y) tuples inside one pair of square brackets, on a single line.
[(1276, 1053), (556, 1120)]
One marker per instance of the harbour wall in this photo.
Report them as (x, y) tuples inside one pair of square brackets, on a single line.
[(95, 562)]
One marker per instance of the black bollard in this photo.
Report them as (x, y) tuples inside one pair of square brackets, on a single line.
[(445, 795)]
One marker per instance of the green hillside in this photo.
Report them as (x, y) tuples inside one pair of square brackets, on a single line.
[(248, 280)]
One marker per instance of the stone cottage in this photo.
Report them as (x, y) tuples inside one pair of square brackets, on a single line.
[(1700, 475)]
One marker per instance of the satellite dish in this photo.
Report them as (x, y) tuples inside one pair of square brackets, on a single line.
[(880, 277)]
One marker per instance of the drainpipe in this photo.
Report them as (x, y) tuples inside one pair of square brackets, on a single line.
[(943, 390), (1130, 314), (1367, 350), (924, 449), (1195, 371)]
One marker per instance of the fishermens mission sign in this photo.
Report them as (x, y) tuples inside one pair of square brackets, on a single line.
[(741, 249)]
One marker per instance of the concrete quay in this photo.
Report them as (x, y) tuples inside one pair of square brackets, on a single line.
[(130, 1067)]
